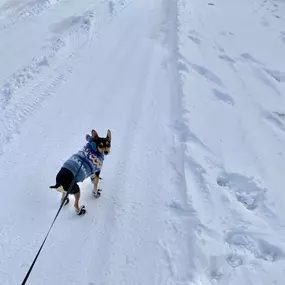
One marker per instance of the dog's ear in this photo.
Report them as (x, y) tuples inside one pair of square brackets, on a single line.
[(109, 134), (94, 134)]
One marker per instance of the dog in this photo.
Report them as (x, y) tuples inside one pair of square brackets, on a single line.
[(86, 163)]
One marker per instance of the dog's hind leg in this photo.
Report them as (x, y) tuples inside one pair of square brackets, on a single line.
[(79, 210), (63, 193), (60, 189), (62, 198)]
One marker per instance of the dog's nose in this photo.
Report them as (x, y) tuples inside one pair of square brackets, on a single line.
[(106, 152)]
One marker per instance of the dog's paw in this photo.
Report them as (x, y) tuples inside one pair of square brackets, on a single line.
[(82, 211), (98, 194)]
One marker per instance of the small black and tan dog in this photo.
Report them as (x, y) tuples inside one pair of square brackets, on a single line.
[(86, 163)]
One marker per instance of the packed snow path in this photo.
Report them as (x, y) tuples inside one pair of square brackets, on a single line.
[(99, 70)]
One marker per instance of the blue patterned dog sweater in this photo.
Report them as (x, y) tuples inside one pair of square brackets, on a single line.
[(90, 159)]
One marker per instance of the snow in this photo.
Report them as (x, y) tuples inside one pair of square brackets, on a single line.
[(193, 92)]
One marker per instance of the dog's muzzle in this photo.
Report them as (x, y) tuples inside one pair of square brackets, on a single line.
[(106, 152)]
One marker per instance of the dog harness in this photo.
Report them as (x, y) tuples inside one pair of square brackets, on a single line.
[(90, 159)]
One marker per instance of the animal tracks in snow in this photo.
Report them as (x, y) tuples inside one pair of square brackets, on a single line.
[(279, 76), (208, 74), (252, 197), (272, 8), (226, 58), (180, 210), (265, 75), (282, 36), (194, 37), (246, 243), (220, 267), (239, 232), (248, 57), (234, 260), (223, 97), (245, 189), (244, 248), (276, 120)]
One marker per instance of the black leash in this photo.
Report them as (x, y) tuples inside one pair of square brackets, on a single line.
[(62, 203)]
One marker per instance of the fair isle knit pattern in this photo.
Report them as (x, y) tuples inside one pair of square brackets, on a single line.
[(90, 159)]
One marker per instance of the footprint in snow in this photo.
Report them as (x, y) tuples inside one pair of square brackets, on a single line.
[(223, 97), (111, 6), (220, 266), (227, 58), (282, 36), (208, 74), (226, 33), (194, 37), (262, 75), (276, 120), (250, 58), (280, 115), (244, 188), (279, 76), (245, 242), (181, 211), (235, 260), (182, 67)]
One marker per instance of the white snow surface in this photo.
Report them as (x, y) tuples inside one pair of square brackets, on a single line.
[(194, 94)]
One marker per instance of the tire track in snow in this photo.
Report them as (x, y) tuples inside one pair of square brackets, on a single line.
[(28, 87), (28, 73), (21, 98), (17, 11)]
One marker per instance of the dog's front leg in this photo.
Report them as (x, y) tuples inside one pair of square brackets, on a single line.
[(76, 202), (95, 185)]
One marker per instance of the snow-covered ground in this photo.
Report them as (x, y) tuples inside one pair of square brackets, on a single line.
[(193, 92), (232, 70)]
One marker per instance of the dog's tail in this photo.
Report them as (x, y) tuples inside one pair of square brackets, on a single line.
[(58, 188), (55, 186)]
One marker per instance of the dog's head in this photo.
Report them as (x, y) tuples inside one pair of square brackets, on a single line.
[(103, 144)]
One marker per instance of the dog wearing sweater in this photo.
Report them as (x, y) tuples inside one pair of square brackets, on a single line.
[(86, 163)]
